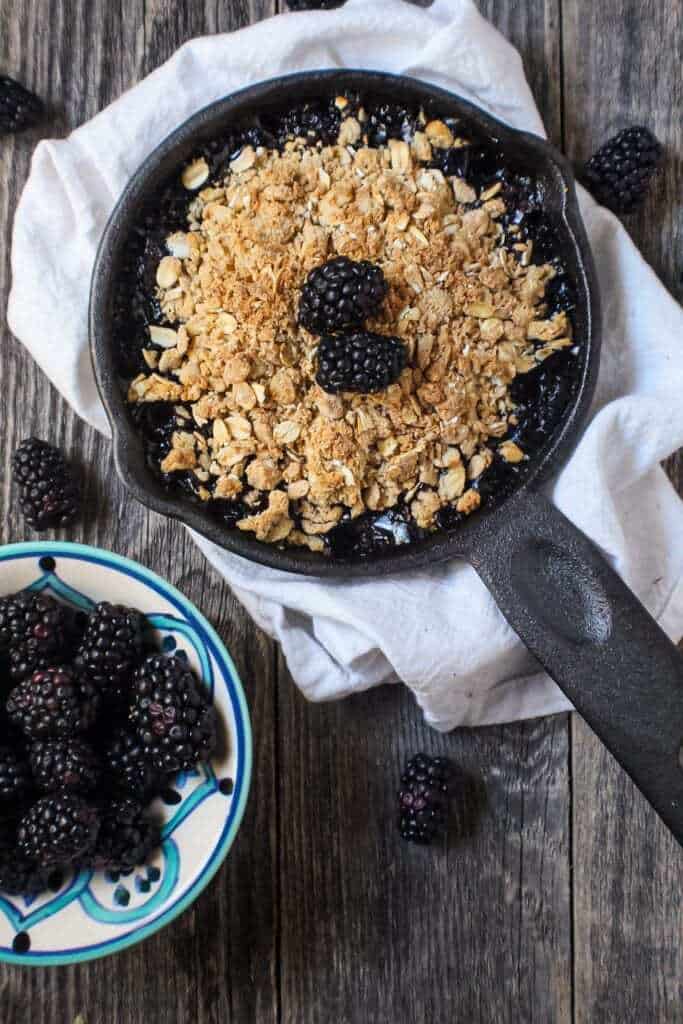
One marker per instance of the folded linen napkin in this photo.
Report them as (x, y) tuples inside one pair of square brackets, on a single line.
[(452, 647)]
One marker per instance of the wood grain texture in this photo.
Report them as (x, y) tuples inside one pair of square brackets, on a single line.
[(534, 28), (81, 55), (623, 66), (321, 914), (375, 930)]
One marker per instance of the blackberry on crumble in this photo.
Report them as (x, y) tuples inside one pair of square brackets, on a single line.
[(423, 798), (171, 716), (361, 361), (341, 293), (58, 830), (49, 496)]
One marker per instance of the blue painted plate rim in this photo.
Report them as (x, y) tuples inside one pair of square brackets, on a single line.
[(89, 553)]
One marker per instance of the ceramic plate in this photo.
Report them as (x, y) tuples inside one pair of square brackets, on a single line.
[(94, 914)]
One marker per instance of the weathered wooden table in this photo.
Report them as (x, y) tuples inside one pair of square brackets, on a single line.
[(560, 900)]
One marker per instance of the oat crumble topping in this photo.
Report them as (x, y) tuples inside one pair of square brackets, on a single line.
[(470, 312)]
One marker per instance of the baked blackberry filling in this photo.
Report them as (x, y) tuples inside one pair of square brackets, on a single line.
[(220, 371)]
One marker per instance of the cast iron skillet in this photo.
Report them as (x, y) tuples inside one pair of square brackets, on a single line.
[(552, 584)]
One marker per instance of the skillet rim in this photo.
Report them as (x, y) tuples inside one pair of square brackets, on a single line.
[(127, 444)]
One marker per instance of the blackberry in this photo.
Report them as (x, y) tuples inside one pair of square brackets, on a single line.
[(68, 764), (619, 173), (390, 121), (341, 293), (172, 718), (53, 702), (368, 534), (316, 121), (15, 775), (18, 875), (359, 362), (27, 617), (423, 798), (26, 659), (58, 830), (541, 397), (126, 771), (19, 108), (126, 837), (110, 648), (34, 628), (49, 495)]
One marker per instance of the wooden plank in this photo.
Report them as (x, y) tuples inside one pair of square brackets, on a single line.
[(217, 962), (168, 23), (628, 878), (374, 929), (622, 61), (534, 28)]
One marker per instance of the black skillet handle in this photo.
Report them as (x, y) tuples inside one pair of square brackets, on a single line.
[(596, 640)]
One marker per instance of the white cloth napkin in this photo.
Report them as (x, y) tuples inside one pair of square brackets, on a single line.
[(438, 630)]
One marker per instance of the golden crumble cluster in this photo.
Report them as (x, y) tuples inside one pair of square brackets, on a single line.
[(471, 315)]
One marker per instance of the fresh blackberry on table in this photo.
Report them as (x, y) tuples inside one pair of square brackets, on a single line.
[(110, 648), (19, 108), (19, 876), (15, 775), (360, 361), (171, 716), (126, 837), (53, 702), (619, 173), (59, 829), (423, 798), (49, 495), (68, 764), (341, 293), (126, 771)]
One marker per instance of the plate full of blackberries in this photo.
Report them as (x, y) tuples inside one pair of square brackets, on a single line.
[(125, 753)]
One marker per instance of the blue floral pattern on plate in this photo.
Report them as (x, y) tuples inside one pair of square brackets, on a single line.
[(95, 913)]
